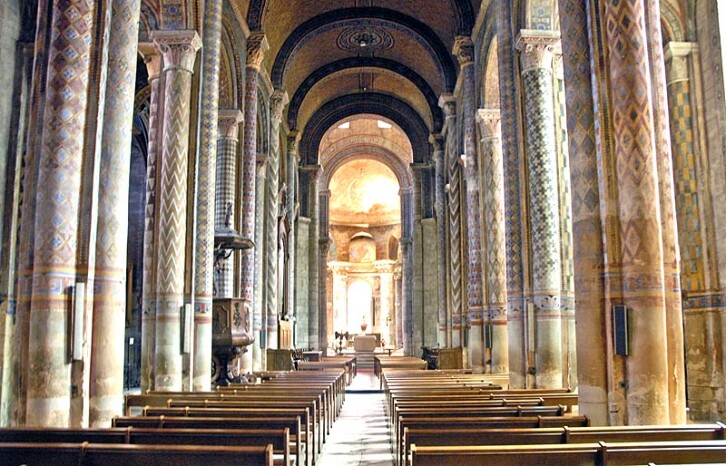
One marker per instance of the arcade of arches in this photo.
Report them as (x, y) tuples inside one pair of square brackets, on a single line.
[(485, 174)]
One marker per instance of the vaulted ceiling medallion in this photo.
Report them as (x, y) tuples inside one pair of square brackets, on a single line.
[(365, 39)]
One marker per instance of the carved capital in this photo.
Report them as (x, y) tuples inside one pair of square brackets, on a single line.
[(256, 47), (278, 100), (464, 50), (152, 59), (490, 122), (384, 266), (437, 141), (292, 145), (447, 102), (228, 125), (676, 57), (178, 48), (536, 48)]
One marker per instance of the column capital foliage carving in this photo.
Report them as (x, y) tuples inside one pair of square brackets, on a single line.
[(278, 100), (676, 57), (536, 48), (152, 59), (178, 48), (228, 124), (447, 103), (437, 141), (256, 47), (464, 50), (490, 122), (292, 146)]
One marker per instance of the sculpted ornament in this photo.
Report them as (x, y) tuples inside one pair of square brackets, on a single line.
[(178, 48), (256, 47), (464, 50), (537, 48)]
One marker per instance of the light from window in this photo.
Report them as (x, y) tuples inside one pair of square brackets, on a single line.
[(383, 125)]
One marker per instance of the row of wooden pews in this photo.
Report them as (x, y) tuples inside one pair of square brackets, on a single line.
[(451, 418), (284, 421)]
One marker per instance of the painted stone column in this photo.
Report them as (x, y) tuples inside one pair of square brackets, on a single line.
[(704, 368), (495, 300), (109, 304), (398, 308), (272, 194), (340, 297), (178, 49), (226, 192), (513, 194), (448, 104), (152, 59), (259, 361), (55, 251), (256, 48), (444, 334), (641, 264), (323, 248), (464, 52), (206, 173), (290, 206), (385, 270), (407, 254), (311, 173), (536, 57), (669, 229), (588, 252)]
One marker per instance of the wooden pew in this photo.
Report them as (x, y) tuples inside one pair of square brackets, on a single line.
[(307, 431), (278, 438), (600, 454), (93, 454), (564, 435), (162, 422)]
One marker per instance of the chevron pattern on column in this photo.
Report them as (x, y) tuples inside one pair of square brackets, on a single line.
[(455, 233)]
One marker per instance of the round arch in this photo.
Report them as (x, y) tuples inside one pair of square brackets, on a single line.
[(360, 152), (386, 106), (308, 30), (364, 62)]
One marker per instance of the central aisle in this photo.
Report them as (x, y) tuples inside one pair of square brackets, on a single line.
[(359, 435)]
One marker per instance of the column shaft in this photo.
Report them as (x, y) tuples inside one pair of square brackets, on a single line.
[(290, 204), (323, 248), (313, 257), (641, 264), (440, 212), (543, 198), (226, 193), (57, 211), (464, 51), (206, 172), (495, 300), (178, 49), (152, 58), (109, 305), (407, 254), (258, 355), (511, 147), (671, 254), (586, 218)]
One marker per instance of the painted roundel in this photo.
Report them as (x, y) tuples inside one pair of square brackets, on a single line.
[(365, 39)]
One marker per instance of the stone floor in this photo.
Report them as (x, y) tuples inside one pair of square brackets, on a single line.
[(360, 434)]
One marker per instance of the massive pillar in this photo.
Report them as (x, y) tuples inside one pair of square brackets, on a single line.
[(407, 253), (272, 195), (290, 206), (256, 47), (671, 254), (109, 304), (311, 173), (702, 327), (323, 248), (464, 51), (71, 51), (226, 193), (588, 251), (495, 299), (206, 173), (179, 49), (513, 195), (536, 57), (453, 172), (152, 58), (640, 265), (444, 333)]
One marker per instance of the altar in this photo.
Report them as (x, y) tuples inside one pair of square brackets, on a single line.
[(364, 343)]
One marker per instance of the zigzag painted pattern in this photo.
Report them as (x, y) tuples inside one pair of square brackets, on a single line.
[(454, 230), (150, 209), (173, 186), (439, 207), (271, 208)]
